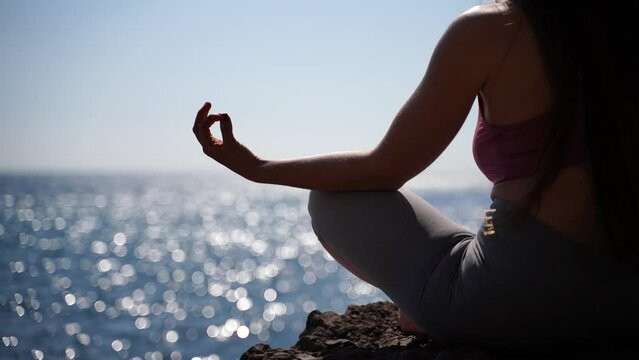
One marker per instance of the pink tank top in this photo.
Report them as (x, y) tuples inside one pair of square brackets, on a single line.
[(506, 152)]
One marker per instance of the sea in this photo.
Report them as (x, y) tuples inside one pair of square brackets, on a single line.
[(147, 266)]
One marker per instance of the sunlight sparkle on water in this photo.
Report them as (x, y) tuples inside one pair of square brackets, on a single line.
[(159, 268)]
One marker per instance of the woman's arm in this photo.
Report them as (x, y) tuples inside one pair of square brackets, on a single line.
[(349, 170), (422, 129), (336, 171)]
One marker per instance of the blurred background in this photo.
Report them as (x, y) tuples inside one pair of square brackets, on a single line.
[(114, 86), (120, 238)]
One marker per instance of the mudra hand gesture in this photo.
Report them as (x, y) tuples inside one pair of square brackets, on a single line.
[(227, 151)]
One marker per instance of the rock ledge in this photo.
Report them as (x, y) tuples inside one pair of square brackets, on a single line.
[(368, 331), (372, 331)]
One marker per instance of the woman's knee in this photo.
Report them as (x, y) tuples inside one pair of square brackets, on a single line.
[(315, 201), (329, 208), (322, 203), (322, 207), (351, 211), (334, 204)]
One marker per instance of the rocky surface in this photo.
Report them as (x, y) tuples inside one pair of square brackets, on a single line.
[(372, 332), (363, 332)]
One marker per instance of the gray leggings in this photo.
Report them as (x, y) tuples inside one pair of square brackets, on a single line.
[(515, 283)]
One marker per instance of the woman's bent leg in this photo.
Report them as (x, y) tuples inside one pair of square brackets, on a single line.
[(406, 324), (391, 239)]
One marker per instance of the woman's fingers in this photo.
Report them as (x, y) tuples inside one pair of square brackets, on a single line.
[(205, 128), (226, 127), (201, 116), (202, 129)]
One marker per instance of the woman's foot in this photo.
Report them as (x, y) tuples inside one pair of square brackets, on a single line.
[(408, 326)]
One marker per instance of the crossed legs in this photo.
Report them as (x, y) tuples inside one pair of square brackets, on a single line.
[(390, 239), (406, 324)]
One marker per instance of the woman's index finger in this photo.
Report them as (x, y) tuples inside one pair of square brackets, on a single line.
[(201, 114)]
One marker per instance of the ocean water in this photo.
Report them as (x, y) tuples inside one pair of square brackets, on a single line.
[(167, 267)]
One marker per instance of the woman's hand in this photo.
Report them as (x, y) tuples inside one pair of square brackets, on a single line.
[(227, 151)]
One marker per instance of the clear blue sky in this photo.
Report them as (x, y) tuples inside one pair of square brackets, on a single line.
[(114, 85)]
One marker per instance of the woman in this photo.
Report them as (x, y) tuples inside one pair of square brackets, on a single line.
[(555, 260)]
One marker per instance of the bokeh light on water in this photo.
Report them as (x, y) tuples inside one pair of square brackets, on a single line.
[(146, 267)]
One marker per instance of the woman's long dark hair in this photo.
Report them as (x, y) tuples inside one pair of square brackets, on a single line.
[(590, 51)]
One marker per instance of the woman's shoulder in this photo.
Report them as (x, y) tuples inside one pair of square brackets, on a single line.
[(487, 23), (494, 11), (484, 32), (491, 17)]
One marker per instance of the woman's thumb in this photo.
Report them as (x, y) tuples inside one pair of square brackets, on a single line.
[(226, 127)]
